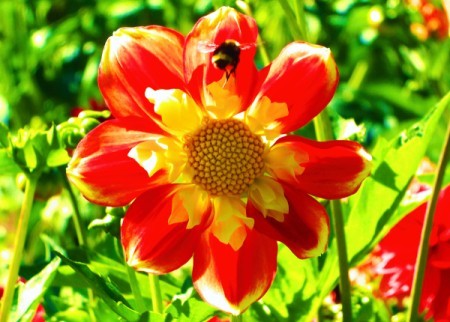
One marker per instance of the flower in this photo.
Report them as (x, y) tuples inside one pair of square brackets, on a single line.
[(435, 20), (205, 157), (39, 314), (398, 253)]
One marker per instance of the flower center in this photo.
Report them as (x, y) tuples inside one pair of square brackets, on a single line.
[(225, 155)]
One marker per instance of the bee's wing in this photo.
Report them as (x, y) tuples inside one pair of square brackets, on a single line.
[(248, 45), (206, 47)]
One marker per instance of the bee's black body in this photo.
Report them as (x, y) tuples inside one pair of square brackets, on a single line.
[(226, 57)]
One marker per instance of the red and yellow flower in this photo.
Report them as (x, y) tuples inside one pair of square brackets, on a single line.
[(207, 162)]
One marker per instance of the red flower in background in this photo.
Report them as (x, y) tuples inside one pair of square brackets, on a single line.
[(435, 20), (202, 150), (398, 253), (39, 315)]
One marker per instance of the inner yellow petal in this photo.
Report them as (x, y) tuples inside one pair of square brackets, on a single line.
[(190, 203), (223, 103), (285, 163), (268, 196), (262, 117), (160, 153), (179, 112), (230, 221)]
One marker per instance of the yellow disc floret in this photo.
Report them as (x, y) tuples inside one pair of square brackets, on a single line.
[(225, 156)]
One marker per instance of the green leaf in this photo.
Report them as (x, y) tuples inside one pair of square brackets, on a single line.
[(30, 149), (367, 308), (7, 164), (4, 141), (104, 289), (109, 224), (430, 177), (398, 96), (395, 163), (346, 129), (115, 271), (72, 315), (223, 3), (187, 308), (294, 288), (57, 158), (29, 294), (30, 156)]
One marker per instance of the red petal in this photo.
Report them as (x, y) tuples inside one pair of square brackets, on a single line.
[(436, 294), (233, 280), (151, 244), (303, 76), (134, 59), (398, 253), (331, 170), (441, 216), (305, 228), (100, 167), (223, 24), (439, 255)]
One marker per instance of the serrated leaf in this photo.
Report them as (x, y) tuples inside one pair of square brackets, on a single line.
[(104, 289), (380, 195), (31, 292)]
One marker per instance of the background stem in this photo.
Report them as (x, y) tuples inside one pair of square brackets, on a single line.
[(81, 235), (324, 132), (19, 242), (236, 318), (140, 304), (292, 21), (421, 261), (77, 221), (155, 290)]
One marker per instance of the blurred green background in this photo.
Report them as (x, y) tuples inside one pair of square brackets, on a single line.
[(50, 52)]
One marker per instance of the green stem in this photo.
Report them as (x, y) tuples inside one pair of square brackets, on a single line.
[(426, 232), (155, 290), (140, 304), (236, 318), (301, 19), (19, 243), (324, 132), (81, 235), (358, 75), (245, 7), (79, 228), (263, 52), (344, 281), (296, 31)]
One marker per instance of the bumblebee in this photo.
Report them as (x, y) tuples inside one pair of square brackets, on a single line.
[(226, 55)]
